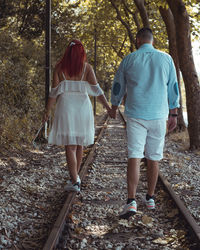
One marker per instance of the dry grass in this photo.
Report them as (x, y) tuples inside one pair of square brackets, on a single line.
[(182, 139)]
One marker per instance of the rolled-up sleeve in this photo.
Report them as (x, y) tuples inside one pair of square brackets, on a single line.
[(173, 90), (118, 86)]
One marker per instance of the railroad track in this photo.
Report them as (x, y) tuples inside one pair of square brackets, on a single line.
[(58, 227), (89, 220)]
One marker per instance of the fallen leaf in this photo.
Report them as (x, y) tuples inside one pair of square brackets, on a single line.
[(74, 220), (171, 239), (124, 223), (160, 241), (181, 234), (78, 203), (78, 230), (146, 220), (173, 213), (70, 216)]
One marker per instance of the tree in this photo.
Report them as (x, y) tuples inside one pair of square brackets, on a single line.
[(192, 96), (192, 87), (22, 66), (171, 32)]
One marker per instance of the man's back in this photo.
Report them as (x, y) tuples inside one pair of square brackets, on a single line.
[(148, 75)]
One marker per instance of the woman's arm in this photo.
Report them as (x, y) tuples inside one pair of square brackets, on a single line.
[(51, 101), (103, 101), (91, 78)]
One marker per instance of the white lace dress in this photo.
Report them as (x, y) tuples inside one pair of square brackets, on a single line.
[(73, 122)]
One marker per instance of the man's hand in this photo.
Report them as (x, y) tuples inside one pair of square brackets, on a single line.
[(171, 124)]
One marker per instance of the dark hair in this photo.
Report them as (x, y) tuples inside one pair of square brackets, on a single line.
[(145, 34)]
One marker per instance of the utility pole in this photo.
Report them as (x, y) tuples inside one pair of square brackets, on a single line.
[(48, 49), (47, 55), (95, 62), (95, 53)]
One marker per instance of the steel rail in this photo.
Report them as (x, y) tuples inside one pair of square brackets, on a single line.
[(182, 208), (58, 227)]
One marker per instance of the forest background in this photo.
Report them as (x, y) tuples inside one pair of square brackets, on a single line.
[(113, 25)]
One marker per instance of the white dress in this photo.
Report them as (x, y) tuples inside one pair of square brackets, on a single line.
[(73, 119)]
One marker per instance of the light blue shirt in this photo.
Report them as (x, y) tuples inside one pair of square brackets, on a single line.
[(148, 77)]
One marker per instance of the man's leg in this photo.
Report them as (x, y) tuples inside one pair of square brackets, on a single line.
[(136, 138), (133, 172), (152, 176), (154, 151)]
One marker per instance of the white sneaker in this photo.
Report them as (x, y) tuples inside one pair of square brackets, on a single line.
[(73, 187), (78, 180), (150, 204), (129, 210)]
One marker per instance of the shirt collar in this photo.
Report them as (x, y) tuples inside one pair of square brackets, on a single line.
[(146, 46)]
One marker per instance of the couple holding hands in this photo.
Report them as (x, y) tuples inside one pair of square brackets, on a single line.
[(148, 79)]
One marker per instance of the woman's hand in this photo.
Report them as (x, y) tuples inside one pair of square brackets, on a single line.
[(46, 116)]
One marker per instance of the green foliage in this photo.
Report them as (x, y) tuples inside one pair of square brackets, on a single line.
[(27, 17), (21, 88), (22, 52)]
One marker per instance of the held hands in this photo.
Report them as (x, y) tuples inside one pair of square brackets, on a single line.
[(112, 112)]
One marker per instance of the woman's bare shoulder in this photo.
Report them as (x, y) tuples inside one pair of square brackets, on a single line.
[(88, 67), (90, 75)]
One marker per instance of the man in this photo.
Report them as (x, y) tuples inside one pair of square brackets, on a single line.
[(148, 78)]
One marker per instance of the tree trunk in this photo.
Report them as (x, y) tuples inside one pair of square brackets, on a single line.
[(171, 32), (143, 12), (187, 67)]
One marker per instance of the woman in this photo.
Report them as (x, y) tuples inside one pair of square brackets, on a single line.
[(73, 125)]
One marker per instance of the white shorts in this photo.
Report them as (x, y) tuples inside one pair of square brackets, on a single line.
[(146, 138)]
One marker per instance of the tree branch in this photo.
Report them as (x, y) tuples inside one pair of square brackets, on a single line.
[(143, 13), (134, 14), (132, 40), (119, 52)]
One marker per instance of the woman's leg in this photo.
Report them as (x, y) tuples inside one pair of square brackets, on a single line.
[(72, 161), (79, 156)]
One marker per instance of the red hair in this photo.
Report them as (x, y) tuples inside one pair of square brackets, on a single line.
[(73, 59)]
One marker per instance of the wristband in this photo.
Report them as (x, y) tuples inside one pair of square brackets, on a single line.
[(173, 115)]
